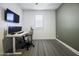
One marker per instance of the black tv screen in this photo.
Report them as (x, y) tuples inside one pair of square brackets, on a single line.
[(11, 16)]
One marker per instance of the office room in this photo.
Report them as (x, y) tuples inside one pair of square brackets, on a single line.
[(39, 29)]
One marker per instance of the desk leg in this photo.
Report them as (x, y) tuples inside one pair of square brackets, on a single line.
[(14, 47)]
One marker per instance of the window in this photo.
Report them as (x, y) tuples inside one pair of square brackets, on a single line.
[(38, 20)]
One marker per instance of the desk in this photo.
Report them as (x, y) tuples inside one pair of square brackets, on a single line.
[(14, 36)]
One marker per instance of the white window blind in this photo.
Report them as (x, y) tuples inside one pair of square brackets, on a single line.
[(38, 20)]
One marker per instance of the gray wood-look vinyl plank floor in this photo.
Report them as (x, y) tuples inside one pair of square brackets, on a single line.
[(47, 48)]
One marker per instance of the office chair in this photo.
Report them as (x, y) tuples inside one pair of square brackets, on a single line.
[(28, 39)]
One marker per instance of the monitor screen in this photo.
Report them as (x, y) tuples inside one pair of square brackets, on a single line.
[(10, 16), (14, 29)]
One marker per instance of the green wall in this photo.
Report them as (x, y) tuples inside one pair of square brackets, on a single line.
[(67, 24)]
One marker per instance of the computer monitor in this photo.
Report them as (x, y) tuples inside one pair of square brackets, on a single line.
[(14, 29)]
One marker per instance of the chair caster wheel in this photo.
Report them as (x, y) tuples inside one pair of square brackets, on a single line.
[(33, 45), (27, 48)]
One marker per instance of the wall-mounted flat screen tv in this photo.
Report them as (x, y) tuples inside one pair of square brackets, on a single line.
[(10, 16)]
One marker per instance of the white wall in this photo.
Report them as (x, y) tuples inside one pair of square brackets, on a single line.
[(1, 30), (3, 24), (48, 30)]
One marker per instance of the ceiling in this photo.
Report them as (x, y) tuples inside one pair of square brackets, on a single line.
[(39, 6)]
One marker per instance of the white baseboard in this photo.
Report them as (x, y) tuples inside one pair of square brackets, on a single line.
[(69, 47), (44, 39)]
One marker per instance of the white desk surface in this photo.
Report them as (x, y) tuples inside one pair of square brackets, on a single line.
[(16, 35)]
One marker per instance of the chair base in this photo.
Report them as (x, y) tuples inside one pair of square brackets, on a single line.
[(28, 45)]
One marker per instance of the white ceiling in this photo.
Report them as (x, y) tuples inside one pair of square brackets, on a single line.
[(40, 6)]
